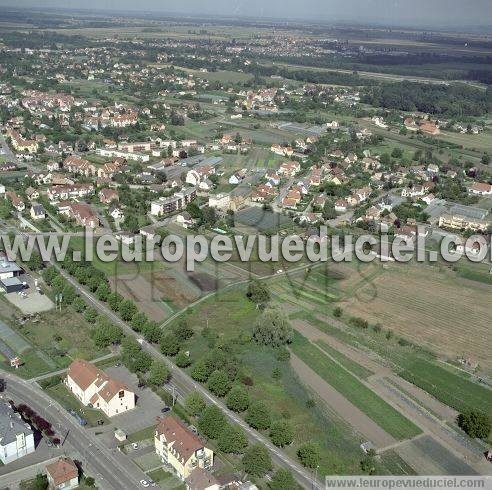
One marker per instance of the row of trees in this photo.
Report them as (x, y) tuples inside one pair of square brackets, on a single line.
[(231, 439)]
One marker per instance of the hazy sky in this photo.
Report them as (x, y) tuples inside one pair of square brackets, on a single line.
[(425, 12)]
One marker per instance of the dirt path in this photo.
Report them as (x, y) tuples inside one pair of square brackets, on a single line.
[(344, 408)]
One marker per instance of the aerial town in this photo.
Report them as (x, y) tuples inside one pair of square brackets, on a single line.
[(242, 375)]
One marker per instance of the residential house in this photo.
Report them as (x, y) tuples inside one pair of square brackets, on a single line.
[(62, 474), (79, 166), (37, 211), (84, 215), (94, 387), (16, 201), (180, 448), (480, 189), (16, 437), (289, 168), (107, 196), (32, 194)]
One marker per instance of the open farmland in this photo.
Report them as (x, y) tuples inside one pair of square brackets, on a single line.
[(349, 386), (431, 308), (456, 390)]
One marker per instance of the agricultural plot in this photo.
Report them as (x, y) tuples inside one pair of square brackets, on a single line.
[(347, 363), (447, 315), (455, 390), (261, 219), (428, 457), (349, 386)]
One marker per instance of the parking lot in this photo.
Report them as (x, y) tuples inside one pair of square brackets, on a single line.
[(30, 301), (148, 403)]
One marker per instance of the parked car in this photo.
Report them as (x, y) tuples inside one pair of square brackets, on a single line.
[(165, 409), (134, 445), (144, 483)]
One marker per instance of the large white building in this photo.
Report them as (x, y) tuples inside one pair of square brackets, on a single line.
[(16, 437), (94, 387)]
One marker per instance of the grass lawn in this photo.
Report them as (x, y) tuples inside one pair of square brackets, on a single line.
[(63, 336), (142, 435), (67, 400), (349, 386), (34, 365)]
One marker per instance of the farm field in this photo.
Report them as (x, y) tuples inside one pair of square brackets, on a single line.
[(453, 389), (349, 386), (429, 307)]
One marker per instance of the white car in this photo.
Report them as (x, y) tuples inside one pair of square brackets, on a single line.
[(144, 483), (134, 445)]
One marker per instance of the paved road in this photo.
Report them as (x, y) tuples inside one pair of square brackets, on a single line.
[(184, 384), (110, 467)]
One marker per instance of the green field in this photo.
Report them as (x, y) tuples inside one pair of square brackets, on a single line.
[(452, 389), (349, 386)]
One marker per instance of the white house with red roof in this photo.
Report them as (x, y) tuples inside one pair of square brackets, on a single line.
[(94, 387)]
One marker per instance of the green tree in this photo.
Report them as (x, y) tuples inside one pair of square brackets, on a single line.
[(211, 421), (283, 480), (159, 373), (476, 424), (309, 455), (258, 293), (103, 291), (152, 332), (170, 344), (34, 263), (138, 321), (127, 310), (182, 359), (237, 399), (106, 333), (258, 416), (281, 433), (91, 315), (182, 330), (232, 439), (79, 304), (219, 383), (273, 328), (114, 301), (257, 461), (200, 371), (195, 404)]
